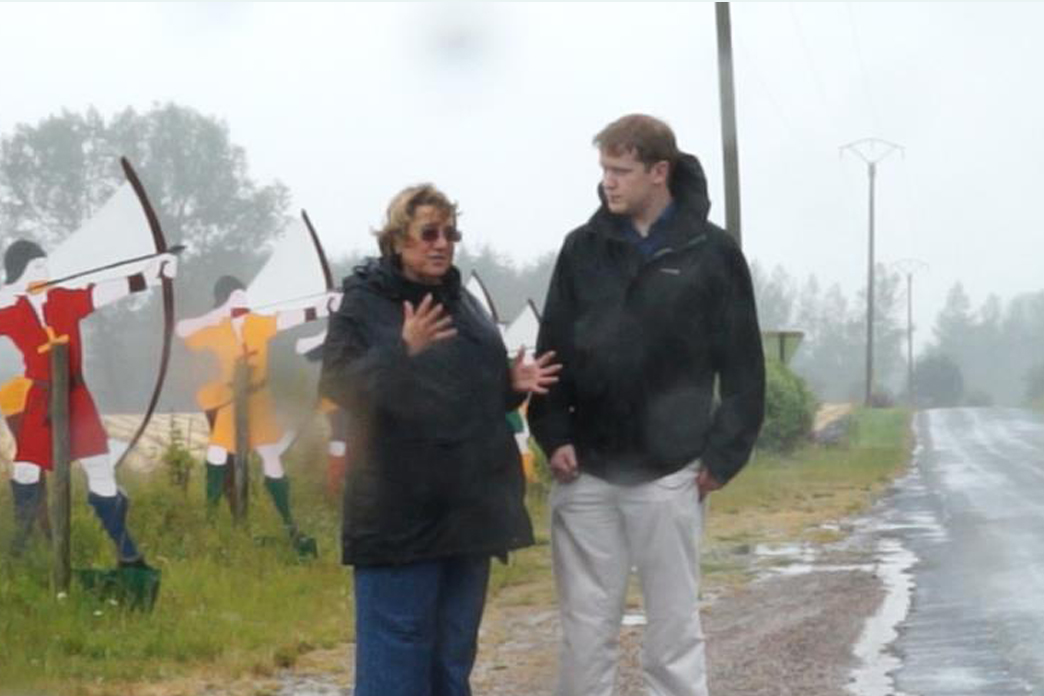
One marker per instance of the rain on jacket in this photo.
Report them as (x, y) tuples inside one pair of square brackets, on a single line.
[(642, 342), (433, 467)]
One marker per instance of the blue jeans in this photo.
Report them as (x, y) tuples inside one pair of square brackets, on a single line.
[(416, 626)]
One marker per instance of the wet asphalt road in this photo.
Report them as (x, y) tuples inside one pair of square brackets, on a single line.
[(972, 511)]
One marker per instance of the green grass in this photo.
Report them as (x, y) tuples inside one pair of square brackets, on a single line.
[(787, 498), (232, 601), (230, 605)]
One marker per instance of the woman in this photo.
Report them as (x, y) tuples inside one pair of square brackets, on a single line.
[(434, 487)]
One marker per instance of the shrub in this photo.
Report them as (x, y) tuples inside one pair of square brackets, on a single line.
[(789, 409)]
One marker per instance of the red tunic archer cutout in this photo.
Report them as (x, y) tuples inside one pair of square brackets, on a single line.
[(63, 309)]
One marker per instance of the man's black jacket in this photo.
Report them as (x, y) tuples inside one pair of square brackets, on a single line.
[(433, 468), (642, 341)]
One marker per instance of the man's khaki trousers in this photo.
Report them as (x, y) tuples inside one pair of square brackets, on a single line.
[(599, 531)]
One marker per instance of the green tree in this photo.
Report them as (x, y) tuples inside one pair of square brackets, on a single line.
[(938, 381), (55, 173), (775, 296), (955, 320)]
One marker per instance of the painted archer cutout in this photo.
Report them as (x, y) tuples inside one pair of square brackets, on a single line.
[(519, 335), (236, 334), (35, 314)]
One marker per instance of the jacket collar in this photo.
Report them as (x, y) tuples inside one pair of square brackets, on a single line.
[(385, 276)]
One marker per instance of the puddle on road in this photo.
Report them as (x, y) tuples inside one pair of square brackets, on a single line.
[(874, 676), (633, 619), (891, 562), (773, 560), (311, 686)]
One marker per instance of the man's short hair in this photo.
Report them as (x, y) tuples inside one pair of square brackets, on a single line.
[(402, 209), (650, 139)]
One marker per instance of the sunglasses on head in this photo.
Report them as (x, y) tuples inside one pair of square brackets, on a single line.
[(431, 233)]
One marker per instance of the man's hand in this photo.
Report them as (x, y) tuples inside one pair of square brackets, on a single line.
[(563, 464), (706, 483), (425, 325)]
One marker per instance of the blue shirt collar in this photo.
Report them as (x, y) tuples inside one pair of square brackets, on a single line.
[(655, 240)]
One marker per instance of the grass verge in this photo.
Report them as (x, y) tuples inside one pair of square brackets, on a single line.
[(798, 496), (236, 602)]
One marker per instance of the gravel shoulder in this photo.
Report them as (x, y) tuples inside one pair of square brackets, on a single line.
[(791, 631), (779, 635)]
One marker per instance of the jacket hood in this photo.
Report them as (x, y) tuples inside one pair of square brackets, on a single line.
[(688, 186)]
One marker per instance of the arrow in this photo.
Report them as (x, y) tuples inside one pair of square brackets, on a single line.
[(41, 287)]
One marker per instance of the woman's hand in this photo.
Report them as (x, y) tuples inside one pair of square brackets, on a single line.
[(534, 377), (425, 325)]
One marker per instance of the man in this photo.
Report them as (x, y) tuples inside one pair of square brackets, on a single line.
[(648, 306)]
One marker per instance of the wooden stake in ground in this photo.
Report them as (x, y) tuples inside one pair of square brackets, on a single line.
[(240, 468), (60, 448)]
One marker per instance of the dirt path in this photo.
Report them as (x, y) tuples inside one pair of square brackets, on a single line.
[(783, 634), (790, 632)]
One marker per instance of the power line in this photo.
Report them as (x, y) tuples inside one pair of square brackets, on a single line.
[(767, 93), (862, 67), (813, 69)]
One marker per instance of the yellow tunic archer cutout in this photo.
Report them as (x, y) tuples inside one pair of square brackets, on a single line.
[(221, 340)]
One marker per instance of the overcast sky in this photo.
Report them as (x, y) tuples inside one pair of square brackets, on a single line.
[(497, 103)]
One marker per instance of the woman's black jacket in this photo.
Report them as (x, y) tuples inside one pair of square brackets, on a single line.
[(433, 468)]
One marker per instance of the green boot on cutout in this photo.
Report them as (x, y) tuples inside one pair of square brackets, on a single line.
[(215, 487), (279, 490)]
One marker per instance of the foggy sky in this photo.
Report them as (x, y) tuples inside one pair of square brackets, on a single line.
[(347, 103)]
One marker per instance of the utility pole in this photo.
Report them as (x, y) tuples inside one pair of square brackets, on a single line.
[(871, 151), (729, 138), (909, 267)]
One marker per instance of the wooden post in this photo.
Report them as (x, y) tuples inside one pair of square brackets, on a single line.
[(241, 419), (60, 505)]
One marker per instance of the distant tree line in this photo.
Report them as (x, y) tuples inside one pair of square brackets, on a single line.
[(997, 349), (990, 355), (831, 356), (55, 173)]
